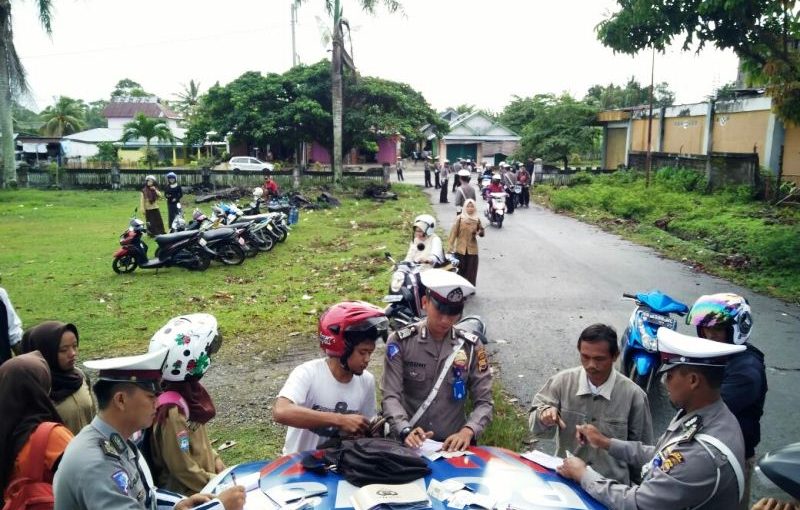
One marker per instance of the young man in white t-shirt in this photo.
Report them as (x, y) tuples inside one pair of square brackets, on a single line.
[(333, 396)]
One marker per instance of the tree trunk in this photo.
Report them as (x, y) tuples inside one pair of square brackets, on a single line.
[(9, 174), (336, 86), (566, 163)]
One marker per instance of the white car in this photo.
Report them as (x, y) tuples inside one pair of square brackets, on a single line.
[(247, 164)]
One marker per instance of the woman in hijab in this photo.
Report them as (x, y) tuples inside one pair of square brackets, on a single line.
[(58, 343), (26, 404), (463, 241), (149, 204)]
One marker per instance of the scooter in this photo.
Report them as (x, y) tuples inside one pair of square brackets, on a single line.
[(640, 358), (181, 249), (495, 210), (227, 245)]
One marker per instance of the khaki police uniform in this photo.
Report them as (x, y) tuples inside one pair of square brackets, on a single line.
[(413, 363)]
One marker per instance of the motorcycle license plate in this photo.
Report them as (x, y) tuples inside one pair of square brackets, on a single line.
[(202, 242), (392, 298), (659, 320), (517, 189)]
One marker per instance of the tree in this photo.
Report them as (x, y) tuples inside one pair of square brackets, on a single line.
[(560, 127), (764, 34), (188, 99), (144, 127), (335, 11), (12, 81), (93, 114), (613, 96), (128, 88), (63, 118)]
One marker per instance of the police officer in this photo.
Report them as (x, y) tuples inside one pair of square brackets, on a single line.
[(697, 462), (102, 468), (430, 367)]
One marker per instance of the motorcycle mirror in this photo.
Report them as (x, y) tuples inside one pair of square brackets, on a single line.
[(179, 206)]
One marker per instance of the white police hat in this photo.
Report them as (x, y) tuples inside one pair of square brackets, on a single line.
[(679, 349), (143, 370), (447, 289), (463, 173)]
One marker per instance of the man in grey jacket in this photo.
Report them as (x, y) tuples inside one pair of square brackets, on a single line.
[(593, 393)]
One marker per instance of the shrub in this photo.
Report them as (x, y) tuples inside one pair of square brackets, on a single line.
[(780, 249), (631, 207), (581, 178), (680, 179), (563, 202)]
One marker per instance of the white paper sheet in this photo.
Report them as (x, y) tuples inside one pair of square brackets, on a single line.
[(543, 459)]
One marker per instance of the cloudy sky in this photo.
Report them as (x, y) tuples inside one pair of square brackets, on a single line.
[(453, 51)]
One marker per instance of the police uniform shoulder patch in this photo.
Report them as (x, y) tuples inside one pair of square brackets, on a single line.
[(183, 441), (118, 443), (469, 336), (406, 332), (392, 350), (691, 427), (121, 481), (671, 460), (483, 360), (109, 450)]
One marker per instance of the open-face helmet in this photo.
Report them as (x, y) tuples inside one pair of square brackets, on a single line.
[(726, 309), (258, 192), (191, 340), (495, 177), (150, 178), (426, 223), (345, 325), (172, 175)]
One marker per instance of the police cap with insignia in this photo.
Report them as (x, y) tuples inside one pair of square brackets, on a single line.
[(143, 370), (678, 349), (447, 290)]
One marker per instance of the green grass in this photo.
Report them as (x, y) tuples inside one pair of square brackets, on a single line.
[(55, 261), (726, 233)]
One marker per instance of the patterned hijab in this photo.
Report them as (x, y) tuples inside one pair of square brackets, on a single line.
[(46, 338), (25, 387)]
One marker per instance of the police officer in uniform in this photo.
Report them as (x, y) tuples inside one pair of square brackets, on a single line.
[(102, 468), (430, 367), (697, 462)]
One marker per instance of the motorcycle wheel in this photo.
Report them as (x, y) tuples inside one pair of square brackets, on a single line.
[(250, 249), (124, 265), (201, 262), (265, 241), (282, 234), (230, 254), (500, 222)]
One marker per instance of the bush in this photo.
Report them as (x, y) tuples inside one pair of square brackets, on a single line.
[(680, 179), (630, 207), (563, 202), (581, 178), (780, 249), (619, 177)]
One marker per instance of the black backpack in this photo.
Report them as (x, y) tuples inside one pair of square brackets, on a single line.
[(369, 460)]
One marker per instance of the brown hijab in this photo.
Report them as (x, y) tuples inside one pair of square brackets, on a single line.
[(46, 338), (25, 403), (201, 407)]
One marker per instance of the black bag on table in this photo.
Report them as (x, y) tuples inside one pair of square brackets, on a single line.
[(369, 460)]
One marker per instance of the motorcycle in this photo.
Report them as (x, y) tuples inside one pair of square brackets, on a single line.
[(640, 358), (181, 249), (224, 244), (495, 210), (517, 196), (781, 467), (230, 215), (404, 300)]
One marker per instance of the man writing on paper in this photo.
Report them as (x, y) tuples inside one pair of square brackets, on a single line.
[(430, 367), (593, 393)]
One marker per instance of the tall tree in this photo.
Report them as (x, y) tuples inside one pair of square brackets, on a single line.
[(12, 81), (633, 93), (129, 88), (335, 11), (188, 99), (63, 118), (143, 127), (762, 33)]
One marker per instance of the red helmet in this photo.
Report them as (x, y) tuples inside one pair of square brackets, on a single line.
[(346, 324)]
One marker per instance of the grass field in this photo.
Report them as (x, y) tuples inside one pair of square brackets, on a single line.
[(55, 261)]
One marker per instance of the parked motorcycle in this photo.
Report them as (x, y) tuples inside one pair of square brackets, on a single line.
[(224, 244), (181, 249), (640, 358), (495, 210)]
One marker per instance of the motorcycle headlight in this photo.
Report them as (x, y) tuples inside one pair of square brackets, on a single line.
[(648, 335), (398, 278)]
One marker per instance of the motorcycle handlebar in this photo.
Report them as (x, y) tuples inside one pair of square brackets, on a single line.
[(629, 296)]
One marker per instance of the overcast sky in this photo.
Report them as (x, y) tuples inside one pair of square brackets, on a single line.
[(453, 51)]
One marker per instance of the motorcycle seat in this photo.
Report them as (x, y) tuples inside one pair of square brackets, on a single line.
[(660, 302), (218, 233), (175, 236), (254, 217), (240, 224)]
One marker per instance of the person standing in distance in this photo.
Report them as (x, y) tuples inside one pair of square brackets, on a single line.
[(102, 468), (432, 366), (333, 397), (697, 462), (10, 328)]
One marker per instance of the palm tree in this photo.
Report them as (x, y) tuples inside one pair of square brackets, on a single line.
[(144, 127), (12, 81), (334, 8), (188, 98), (63, 118)]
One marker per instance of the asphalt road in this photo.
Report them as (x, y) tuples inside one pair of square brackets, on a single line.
[(544, 277)]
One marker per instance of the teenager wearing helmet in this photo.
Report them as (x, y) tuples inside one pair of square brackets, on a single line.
[(425, 246), (727, 318), (183, 459), (148, 204), (173, 194), (333, 396)]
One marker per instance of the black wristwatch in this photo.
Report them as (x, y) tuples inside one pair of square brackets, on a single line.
[(404, 433)]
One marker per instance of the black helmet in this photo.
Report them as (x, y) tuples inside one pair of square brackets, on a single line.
[(782, 466)]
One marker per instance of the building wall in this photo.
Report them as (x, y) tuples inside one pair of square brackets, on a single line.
[(615, 147), (740, 132), (791, 154), (639, 134), (684, 135)]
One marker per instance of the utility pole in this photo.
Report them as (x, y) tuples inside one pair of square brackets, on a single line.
[(649, 160), (294, 43)]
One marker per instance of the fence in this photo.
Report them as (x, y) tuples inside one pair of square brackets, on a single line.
[(559, 177), (88, 178), (727, 168)]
